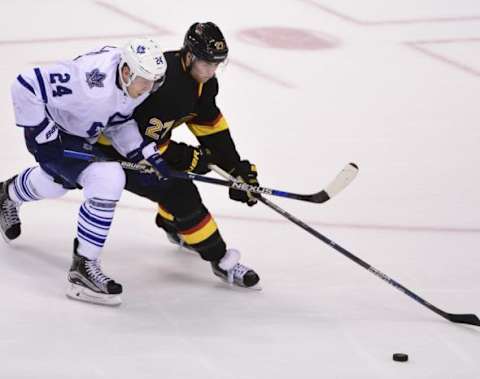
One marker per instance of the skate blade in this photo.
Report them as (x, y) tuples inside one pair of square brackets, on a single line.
[(181, 246), (186, 249), (76, 292), (256, 287), (5, 238)]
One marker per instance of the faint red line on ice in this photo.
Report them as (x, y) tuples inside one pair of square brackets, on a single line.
[(288, 38), (446, 41), (132, 17), (161, 30), (421, 46), (261, 74), (356, 21), (69, 39), (401, 228), (156, 30)]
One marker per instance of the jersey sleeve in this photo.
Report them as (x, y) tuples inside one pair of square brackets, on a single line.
[(209, 119), (28, 104), (125, 137), (35, 89), (152, 128), (211, 128)]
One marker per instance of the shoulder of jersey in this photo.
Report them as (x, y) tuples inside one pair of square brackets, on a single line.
[(96, 73), (173, 61)]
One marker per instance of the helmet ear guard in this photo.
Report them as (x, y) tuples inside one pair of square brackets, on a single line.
[(206, 42), (144, 58)]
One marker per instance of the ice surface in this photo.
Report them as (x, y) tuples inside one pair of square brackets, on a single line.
[(408, 118)]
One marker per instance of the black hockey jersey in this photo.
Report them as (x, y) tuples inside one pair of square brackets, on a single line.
[(182, 100)]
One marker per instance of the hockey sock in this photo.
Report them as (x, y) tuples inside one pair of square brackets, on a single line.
[(94, 222), (34, 184), (21, 189)]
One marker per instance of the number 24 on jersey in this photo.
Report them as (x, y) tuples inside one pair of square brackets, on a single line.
[(59, 79)]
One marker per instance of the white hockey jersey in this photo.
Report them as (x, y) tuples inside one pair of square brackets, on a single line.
[(81, 97)]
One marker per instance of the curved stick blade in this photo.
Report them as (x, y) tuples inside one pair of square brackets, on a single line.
[(342, 180), (469, 318)]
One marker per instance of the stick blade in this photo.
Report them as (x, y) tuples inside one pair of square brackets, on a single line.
[(469, 318), (341, 181)]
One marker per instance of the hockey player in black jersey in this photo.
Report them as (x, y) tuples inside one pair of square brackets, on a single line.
[(188, 97)]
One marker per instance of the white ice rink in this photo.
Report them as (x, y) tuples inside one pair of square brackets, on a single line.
[(310, 86)]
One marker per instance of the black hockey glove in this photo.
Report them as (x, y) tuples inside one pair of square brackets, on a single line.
[(246, 172), (183, 157), (201, 157), (44, 142)]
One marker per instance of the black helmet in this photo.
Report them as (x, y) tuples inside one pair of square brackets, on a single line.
[(205, 40)]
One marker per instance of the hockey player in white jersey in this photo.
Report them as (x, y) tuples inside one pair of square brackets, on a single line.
[(67, 106)]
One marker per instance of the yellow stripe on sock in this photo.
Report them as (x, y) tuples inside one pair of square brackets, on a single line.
[(197, 235), (164, 214)]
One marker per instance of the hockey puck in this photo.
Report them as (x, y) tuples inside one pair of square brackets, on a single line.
[(400, 357)]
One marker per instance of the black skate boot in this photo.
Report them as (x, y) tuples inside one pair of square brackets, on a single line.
[(175, 239), (9, 220), (87, 282), (230, 270)]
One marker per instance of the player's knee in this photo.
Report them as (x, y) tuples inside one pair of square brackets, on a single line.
[(104, 180), (44, 186)]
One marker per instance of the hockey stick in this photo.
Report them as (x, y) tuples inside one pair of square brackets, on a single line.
[(470, 319), (343, 179)]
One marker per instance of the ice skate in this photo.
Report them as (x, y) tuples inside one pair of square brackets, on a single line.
[(172, 235), (231, 271), (86, 282), (9, 220)]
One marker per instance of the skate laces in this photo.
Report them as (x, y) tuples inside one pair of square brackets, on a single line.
[(10, 213), (237, 272), (95, 272)]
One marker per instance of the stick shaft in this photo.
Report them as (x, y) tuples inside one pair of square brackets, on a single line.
[(462, 318), (201, 178)]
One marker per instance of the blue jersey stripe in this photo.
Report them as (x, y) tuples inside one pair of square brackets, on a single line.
[(24, 83), (120, 119), (118, 122), (41, 84)]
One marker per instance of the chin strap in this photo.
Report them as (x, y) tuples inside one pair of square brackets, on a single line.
[(122, 83)]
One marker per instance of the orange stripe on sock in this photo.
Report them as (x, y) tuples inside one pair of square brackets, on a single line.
[(200, 232), (200, 225)]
